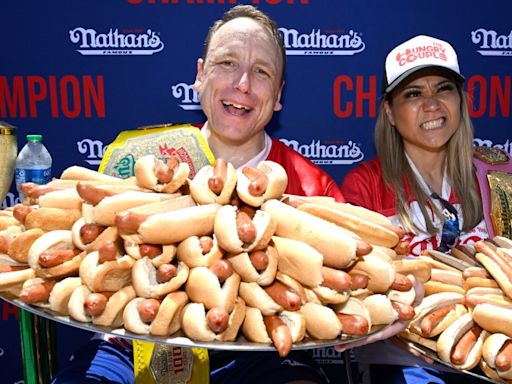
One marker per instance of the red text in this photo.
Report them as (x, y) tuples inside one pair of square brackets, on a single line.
[(255, 2), (67, 96)]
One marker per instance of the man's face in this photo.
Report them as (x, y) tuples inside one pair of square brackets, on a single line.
[(240, 80)]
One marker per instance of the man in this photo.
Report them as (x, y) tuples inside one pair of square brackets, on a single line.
[(240, 79)]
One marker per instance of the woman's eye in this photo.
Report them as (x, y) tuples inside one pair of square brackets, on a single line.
[(446, 87), (411, 93)]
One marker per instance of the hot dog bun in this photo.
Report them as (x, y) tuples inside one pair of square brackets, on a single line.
[(321, 321), (192, 253), (58, 239), (61, 293), (152, 173), (49, 219), (247, 270), (76, 172), (146, 283), (228, 234), (273, 185), (381, 274), (491, 349), (108, 276), (450, 337), (493, 318), (168, 318), (20, 245), (338, 248), (200, 190), (380, 309)]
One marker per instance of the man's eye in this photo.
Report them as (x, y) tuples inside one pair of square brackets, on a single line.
[(261, 71)]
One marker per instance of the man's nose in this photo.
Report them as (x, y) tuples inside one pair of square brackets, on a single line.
[(243, 83)]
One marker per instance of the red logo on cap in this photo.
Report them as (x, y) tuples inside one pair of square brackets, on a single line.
[(420, 52)]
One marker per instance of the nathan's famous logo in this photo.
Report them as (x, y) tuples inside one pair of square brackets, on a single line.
[(114, 42), (319, 43), (328, 154), (94, 149), (189, 98), (491, 43), (506, 146)]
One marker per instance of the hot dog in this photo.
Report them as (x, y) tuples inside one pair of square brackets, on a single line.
[(490, 295), (354, 317), (237, 232), (436, 312), (381, 309), (199, 251), (139, 313), (106, 269), (373, 232), (381, 274), (497, 353), (216, 286), (285, 293), (460, 344), (76, 172), (493, 318), (19, 245), (213, 324), (498, 264), (283, 329), (83, 305), (153, 173), (256, 266), (53, 255), (12, 280), (168, 319), (156, 280), (214, 184), (339, 249), (257, 185), (149, 229), (419, 268)]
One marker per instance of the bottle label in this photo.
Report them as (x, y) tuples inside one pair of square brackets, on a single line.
[(38, 176)]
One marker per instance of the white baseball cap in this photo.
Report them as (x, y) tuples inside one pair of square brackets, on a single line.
[(417, 53)]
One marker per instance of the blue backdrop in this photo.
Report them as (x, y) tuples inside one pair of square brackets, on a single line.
[(79, 72)]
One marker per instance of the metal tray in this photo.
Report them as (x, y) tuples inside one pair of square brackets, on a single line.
[(179, 339), (476, 372)]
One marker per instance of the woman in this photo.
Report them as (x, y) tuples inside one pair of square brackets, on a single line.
[(422, 177)]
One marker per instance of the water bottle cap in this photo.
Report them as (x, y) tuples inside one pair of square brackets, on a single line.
[(33, 138)]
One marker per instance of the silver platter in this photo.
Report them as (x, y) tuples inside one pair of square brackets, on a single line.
[(433, 355), (179, 339)]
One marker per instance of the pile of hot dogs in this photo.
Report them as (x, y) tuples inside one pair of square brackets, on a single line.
[(215, 257), (466, 315)]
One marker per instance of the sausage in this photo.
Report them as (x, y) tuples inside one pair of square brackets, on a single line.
[(405, 311), (150, 250), (504, 357), (396, 229), (148, 308), (165, 273), (402, 248), (34, 190), (96, 302), (53, 256), (37, 292), (107, 252), (430, 321), (283, 296), (90, 232), (401, 283), (336, 279), (129, 222), (206, 244), (362, 248), (279, 333), (464, 345), (481, 246), (354, 325), (475, 272), (222, 269), (251, 211), (259, 260), (359, 281), (12, 268), (245, 228), (220, 174), (217, 319), (92, 195), (20, 212), (259, 180)]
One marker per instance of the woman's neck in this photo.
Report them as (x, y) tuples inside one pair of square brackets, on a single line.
[(431, 167)]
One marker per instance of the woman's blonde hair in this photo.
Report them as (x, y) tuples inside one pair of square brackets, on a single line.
[(459, 165)]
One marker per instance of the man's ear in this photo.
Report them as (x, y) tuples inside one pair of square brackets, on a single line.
[(389, 112), (277, 105), (199, 75)]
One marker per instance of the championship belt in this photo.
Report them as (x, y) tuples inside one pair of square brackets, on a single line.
[(494, 174), (162, 363)]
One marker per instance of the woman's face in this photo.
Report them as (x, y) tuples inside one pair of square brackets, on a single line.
[(426, 112)]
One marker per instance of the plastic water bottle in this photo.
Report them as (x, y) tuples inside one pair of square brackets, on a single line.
[(33, 164)]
